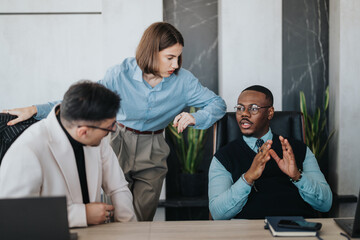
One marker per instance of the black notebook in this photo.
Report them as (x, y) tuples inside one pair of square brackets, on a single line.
[(277, 231)]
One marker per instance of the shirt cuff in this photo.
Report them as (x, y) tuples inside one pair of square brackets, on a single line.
[(200, 120), (241, 187), (43, 110), (302, 182)]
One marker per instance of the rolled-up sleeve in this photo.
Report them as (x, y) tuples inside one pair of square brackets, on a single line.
[(116, 186), (226, 198), (43, 110), (212, 106), (313, 187)]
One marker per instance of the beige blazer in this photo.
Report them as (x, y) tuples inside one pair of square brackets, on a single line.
[(41, 162)]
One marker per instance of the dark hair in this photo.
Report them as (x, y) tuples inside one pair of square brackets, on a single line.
[(89, 101), (157, 37), (263, 90)]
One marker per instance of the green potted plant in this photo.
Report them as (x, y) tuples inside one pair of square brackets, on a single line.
[(189, 148), (315, 133)]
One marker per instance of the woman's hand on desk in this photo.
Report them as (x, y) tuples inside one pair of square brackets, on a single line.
[(21, 113)]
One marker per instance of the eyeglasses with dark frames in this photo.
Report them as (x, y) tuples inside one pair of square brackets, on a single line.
[(252, 108), (111, 129)]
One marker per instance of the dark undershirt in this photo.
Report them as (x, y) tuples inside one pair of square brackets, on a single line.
[(80, 161)]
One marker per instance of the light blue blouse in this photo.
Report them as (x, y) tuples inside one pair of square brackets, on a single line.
[(147, 108)]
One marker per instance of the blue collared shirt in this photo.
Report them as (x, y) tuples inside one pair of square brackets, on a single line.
[(147, 108), (226, 198)]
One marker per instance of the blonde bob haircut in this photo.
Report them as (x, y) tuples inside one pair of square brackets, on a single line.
[(157, 37)]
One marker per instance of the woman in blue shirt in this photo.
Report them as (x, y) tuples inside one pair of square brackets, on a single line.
[(154, 90)]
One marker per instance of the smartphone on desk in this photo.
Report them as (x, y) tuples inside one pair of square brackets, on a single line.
[(312, 226)]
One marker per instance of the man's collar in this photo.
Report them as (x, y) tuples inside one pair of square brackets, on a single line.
[(74, 143), (250, 141)]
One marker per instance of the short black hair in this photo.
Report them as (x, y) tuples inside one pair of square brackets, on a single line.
[(89, 101), (263, 90)]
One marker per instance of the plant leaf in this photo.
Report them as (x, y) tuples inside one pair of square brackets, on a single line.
[(315, 126), (326, 101), (189, 146), (316, 122)]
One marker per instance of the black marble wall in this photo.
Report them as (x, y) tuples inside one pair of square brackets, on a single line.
[(197, 20), (305, 52)]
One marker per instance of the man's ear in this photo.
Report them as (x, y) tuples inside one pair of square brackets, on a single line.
[(82, 131), (271, 113)]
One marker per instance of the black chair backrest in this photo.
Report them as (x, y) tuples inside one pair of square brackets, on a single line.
[(285, 123), (8, 134)]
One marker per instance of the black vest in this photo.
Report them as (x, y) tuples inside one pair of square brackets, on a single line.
[(275, 195)]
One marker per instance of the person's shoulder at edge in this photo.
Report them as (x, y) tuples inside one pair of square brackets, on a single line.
[(184, 78), (115, 73), (129, 64), (185, 73), (26, 140)]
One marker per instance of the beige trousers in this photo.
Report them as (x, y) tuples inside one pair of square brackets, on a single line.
[(142, 157)]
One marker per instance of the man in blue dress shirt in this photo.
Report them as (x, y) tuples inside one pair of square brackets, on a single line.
[(262, 174)]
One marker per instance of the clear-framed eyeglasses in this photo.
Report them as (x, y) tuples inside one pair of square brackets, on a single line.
[(252, 108)]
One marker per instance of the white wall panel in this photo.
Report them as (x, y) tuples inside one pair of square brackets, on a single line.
[(41, 55), (124, 22), (250, 50), (30, 6), (344, 111)]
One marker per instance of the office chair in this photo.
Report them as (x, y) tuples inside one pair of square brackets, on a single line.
[(8, 134), (286, 123)]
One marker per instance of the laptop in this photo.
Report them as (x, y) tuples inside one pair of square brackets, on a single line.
[(34, 218), (351, 225)]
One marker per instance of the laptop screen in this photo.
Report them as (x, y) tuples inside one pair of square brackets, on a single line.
[(34, 218), (351, 226)]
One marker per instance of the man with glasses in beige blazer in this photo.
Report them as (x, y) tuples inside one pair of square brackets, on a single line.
[(69, 154)]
